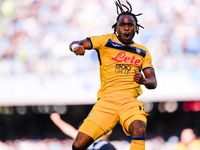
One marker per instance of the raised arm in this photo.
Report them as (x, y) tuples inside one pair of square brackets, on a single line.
[(64, 126), (149, 81), (78, 47)]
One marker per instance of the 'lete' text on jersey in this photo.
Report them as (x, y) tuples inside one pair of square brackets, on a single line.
[(117, 64)]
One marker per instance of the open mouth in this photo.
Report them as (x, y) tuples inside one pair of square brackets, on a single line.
[(127, 36)]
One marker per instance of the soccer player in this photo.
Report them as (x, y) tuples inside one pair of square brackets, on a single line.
[(121, 62)]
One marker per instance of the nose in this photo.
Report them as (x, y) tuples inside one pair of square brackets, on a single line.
[(126, 27)]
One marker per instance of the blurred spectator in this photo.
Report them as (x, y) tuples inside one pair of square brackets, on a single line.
[(65, 127), (188, 141)]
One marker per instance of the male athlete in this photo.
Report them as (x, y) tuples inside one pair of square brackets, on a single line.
[(121, 61)]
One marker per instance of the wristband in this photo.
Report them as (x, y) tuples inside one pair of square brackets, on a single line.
[(74, 46)]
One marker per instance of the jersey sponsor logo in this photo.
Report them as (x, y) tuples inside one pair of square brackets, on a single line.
[(122, 68), (121, 57)]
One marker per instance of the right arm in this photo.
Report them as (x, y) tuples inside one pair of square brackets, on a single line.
[(83, 44), (64, 126)]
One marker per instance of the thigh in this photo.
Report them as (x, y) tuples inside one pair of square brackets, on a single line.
[(91, 129), (131, 110), (102, 118)]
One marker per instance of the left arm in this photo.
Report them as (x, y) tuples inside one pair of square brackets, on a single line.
[(149, 81)]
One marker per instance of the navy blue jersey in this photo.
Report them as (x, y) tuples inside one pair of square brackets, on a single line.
[(101, 145)]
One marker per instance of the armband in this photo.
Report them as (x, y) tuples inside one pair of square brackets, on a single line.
[(73, 47)]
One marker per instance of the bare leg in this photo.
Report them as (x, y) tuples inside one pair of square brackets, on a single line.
[(83, 140), (137, 130)]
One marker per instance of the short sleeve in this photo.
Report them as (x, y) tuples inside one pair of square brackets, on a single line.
[(98, 41), (147, 62)]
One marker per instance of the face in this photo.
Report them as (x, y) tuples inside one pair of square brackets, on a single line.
[(126, 28), (187, 136)]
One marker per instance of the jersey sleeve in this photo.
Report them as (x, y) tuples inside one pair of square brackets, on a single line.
[(98, 41), (147, 62)]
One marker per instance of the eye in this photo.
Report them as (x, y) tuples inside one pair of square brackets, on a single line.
[(121, 24), (131, 25)]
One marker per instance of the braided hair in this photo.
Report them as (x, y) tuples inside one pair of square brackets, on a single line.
[(128, 11)]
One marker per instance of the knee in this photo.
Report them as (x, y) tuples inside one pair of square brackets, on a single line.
[(82, 141), (141, 132), (137, 128), (77, 144)]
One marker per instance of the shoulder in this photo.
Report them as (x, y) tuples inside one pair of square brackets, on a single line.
[(100, 41), (142, 49), (180, 146), (109, 36), (104, 36), (112, 35), (140, 46), (197, 141)]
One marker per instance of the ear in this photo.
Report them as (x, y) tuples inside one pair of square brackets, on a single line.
[(136, 28)]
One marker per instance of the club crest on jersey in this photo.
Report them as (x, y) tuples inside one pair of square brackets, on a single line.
[(138, 51)]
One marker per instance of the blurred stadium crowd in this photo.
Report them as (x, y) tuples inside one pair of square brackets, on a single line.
[(35, 34), (51, 144), (157, 143)]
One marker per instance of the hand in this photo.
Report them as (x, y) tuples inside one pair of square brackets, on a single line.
[(139, 78), (55, 117), (80, 50)]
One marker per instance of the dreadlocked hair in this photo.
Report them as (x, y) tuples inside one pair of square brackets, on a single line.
[(124, 10)]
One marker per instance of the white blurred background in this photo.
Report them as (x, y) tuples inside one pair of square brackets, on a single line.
[(36, 66), (37, 69)]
